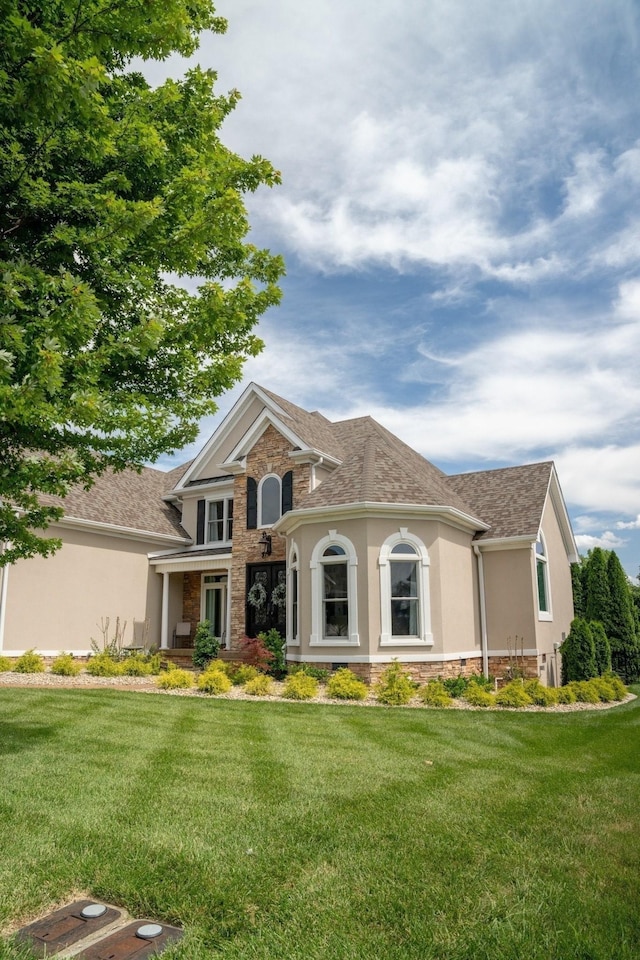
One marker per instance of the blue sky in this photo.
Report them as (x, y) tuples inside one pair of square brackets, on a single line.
[(460, 218)]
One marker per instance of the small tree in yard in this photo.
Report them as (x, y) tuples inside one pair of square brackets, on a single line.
[(109, 189), (205, 647), (578, 653)]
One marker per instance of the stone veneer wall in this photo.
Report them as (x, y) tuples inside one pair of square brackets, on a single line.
[(191, 588), (420, 672), (269, 455), (501, 666)]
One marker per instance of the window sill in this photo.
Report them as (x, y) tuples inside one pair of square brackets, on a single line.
[(352, 641), (386, 641), (542, 615)]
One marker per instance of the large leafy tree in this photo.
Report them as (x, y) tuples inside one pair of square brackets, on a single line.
[(112, 192)]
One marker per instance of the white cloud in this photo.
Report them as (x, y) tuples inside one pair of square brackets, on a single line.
[(608, 540), (631, 525)]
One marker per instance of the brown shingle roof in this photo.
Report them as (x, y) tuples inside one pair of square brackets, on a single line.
[(126, 499), (380, 468), (315, 430), (510, 499)]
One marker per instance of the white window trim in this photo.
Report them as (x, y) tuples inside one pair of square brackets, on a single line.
[(316, 566), (293, 629), (260, 486), (225, 520), (425, 638), (545, 615)]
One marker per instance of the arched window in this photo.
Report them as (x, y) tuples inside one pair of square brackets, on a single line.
[(293, 586), (404, 591), (542, 578), (333, 593), (269, 500)]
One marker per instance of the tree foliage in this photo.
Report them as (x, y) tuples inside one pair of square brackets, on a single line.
[(608, 597), (602, 648), (578, 653), (595, 584), (112, 194)]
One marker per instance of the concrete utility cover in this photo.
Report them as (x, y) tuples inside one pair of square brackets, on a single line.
[(137, 940), (65, 927)]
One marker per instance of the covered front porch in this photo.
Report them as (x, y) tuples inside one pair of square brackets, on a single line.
[(195, 587)]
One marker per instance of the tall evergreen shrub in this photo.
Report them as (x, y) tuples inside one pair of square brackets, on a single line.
[(577, 588), (597, 601), (621, 627), (578, 653), (602, 647)]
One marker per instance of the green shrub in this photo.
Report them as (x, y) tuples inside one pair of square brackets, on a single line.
[(136, 665), (155, 662), (242, 673), (29, 662), (566, 695), (259, 686), (435, 694), (318, 673), (205, 647), (618, 686), (456, 686), (344, 685), (601, 646), (175, 679), (6, 664), (478, 696), (605, 689), (65, 666), (540, 695), (103, 665), (578, 653), (300, 686), (395, 686), (275, 644), (513, 694), (585, 691), (214, 680)]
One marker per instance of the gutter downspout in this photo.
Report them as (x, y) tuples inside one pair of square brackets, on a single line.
[(483, 612)]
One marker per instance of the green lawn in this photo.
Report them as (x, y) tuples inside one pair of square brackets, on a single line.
[(277, 830)]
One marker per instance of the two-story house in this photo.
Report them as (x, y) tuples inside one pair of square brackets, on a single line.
[(339, 535)]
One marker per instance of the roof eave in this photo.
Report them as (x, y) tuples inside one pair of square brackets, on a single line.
[(294, 518)]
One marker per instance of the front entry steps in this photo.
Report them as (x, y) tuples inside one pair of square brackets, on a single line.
[(90, 930)]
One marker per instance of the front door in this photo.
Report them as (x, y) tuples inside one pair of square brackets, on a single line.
[(265, 598), (214, 597)]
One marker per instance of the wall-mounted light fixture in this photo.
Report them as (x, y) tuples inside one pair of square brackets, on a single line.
[(265, 544)]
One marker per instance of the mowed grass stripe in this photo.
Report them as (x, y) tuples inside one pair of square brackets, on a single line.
[(299, 830)]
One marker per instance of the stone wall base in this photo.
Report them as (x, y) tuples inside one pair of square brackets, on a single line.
[(420, 672)]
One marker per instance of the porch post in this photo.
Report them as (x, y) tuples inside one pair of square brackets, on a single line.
[(164, 629)]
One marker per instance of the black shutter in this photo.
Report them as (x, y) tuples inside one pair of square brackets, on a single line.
[(252, 503), (287, 491), (200, 524)]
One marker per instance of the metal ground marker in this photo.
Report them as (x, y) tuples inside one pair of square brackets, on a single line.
[(92, 930)]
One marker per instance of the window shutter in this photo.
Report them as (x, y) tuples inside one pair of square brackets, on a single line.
[(252, 503), (200, 523), (287, 491)]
